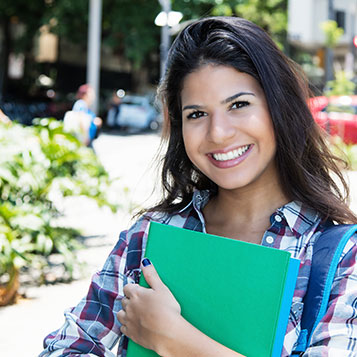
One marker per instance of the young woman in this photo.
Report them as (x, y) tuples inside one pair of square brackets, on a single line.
[(85, 97), (244, 160)]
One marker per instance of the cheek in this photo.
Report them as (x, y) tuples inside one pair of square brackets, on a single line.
[(270, 141), (187, 139), (266, 128), (191, 142), (271, 134)]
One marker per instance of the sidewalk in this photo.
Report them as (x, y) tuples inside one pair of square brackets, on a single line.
[(24, 325)]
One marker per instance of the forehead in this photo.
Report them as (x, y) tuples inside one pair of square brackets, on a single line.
[(217, 81)]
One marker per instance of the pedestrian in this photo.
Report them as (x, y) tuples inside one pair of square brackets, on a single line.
[(243, 150), (4, 118), (85, 98), (114, 111)]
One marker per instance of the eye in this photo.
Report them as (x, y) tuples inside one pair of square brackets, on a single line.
[(239, 104), (196, 114)]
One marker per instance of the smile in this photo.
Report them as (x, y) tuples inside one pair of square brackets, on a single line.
[(231, 155)]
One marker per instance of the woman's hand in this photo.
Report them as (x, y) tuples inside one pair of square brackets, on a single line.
[(149, 315)]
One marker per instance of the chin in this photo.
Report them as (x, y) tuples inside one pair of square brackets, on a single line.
[(230, 186)]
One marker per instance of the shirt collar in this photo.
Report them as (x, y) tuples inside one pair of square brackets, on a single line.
[(199, 200), (299, 217)]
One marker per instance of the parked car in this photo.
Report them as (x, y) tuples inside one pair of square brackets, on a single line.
[(136, 112), (337, 115)]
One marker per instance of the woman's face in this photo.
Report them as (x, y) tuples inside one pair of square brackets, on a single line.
[(227, 129), (89, 96)]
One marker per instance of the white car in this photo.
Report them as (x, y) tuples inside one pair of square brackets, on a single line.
[(136, 112)]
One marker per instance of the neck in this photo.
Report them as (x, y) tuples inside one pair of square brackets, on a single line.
[(244, 212), (250, 204)]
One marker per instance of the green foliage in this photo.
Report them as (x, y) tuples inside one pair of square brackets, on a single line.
[(68, 19), (28, 13), (340, 86), (128, 26), (222, 10), (40, 165), (347, 152), (271, 15), (129, 29), (332, 33)]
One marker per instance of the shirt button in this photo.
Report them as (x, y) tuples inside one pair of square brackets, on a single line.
[(277, 218), (270, 240)]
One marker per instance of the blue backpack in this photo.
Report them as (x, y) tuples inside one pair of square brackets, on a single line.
[(326, 255)]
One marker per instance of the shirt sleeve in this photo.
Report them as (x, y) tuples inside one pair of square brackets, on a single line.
[(336, 334), (92, 328), (80, 106)]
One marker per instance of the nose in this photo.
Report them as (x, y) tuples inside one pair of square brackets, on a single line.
[(220, 128)]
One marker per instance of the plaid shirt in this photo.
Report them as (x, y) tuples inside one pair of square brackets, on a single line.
[(92, 329)]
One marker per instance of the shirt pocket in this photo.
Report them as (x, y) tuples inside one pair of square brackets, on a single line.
[(296, 310)]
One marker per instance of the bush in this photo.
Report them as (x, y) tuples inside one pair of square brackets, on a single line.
[(347, 152), (38, 165)]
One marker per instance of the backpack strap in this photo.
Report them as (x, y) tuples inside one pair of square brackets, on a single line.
[(326, 255)]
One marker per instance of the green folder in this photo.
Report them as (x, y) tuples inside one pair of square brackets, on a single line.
[(237, 293)]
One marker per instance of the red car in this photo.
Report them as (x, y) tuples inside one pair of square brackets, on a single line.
[(337, 115)]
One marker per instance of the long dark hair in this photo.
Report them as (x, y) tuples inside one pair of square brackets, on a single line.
[(303, 159)]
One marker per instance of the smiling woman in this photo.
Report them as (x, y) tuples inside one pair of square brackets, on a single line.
[(244, 160), (228, 133)]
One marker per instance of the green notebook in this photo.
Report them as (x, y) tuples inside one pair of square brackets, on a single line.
[(237, 293)]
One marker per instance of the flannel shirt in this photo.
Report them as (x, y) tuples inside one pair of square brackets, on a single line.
[(92, 329)]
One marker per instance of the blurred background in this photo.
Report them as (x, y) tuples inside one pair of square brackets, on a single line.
[(45, 45), (64, 199)]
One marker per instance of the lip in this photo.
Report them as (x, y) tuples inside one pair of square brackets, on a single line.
[(229, 163), (223, 151)]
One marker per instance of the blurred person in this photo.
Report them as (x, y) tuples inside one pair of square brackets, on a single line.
[(114, 110), (4, 118), (244, 160), (85, 98)]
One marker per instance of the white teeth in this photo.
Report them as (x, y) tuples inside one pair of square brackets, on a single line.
[(231, 154)]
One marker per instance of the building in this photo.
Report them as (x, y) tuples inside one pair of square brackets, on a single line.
[(304, 31)]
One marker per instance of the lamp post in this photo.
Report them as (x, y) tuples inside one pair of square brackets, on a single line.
[(166, 19), (93, 53), (329, 51), (165, 36)]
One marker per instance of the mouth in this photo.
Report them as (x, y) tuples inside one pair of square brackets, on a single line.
[(231, 155)]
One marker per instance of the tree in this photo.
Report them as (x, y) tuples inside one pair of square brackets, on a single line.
[(128, 26), (332, 33), (14, 12), (341, 85), (271, 15)]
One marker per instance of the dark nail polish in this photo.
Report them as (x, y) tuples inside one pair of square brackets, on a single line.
[(146, 262)]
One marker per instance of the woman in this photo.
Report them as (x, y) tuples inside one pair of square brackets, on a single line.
[(244, 160), (85, 97)]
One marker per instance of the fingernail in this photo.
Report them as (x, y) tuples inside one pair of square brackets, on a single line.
[(145, 262)]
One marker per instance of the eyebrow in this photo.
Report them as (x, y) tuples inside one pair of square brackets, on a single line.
[(225, 101), (229, 99)]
